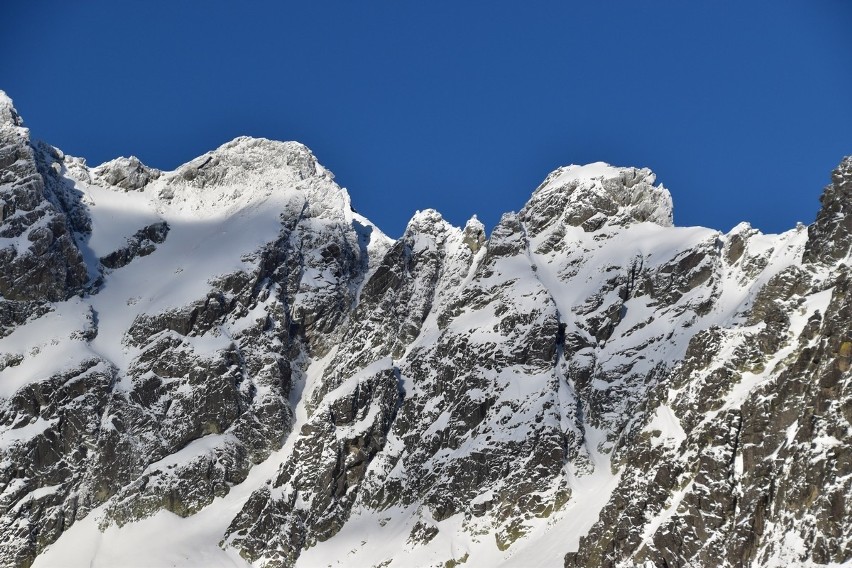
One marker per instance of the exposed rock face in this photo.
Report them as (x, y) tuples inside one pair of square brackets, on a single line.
[(756, 477), (588, 386), (126, 173), (39, 258), (142, 243), (830, 237), (598, 194)]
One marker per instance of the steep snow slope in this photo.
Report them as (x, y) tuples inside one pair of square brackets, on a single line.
[(227, 361)]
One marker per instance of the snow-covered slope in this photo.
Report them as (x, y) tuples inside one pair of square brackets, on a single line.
[(225, 365)]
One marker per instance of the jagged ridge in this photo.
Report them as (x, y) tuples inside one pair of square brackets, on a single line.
[(231, 343)]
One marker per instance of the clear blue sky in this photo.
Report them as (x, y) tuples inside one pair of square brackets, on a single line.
[(742, 108)]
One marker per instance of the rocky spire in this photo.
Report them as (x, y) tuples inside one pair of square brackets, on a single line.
[(830, 236), (474, 234), (8, 114)]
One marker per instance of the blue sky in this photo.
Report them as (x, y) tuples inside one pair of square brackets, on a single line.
[(741, 108)]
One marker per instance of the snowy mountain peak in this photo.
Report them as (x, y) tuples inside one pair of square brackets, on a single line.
[(247, 171), (596, 195), (8, 114), (588, 172), (234, 160)]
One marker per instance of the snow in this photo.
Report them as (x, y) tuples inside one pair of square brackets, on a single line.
[(665, 427), (48, 345), (199, 447), (548, 543), (164, 539), (24, 433), (575, 172), (115, 216), (35, 495)]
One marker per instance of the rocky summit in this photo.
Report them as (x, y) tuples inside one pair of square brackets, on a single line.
[(226, 365)]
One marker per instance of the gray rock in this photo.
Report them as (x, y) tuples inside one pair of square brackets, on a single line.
[(126, 173)]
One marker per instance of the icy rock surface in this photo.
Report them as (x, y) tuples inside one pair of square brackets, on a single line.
[(226, 365), (126, 173)]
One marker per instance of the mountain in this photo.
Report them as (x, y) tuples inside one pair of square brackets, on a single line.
[(225, 365)]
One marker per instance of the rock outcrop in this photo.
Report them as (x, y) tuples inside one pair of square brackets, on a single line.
[(39, 258), (126, 173)]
